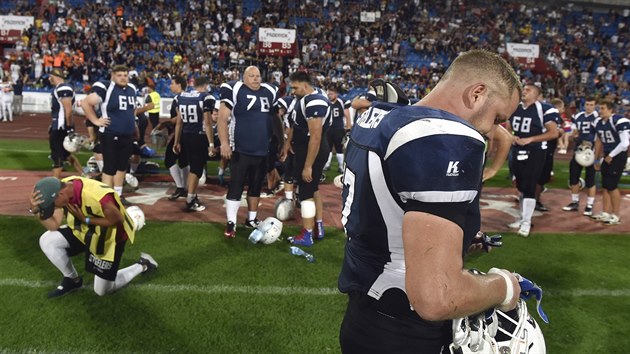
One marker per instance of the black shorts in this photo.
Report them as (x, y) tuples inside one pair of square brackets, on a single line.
[(195, 148), (170, 157), (57, 152), (545, 175), (575, 170), (389, 325), (611, 173), (154, 118), (527, 166), (289, 170), (117, 150), (246, 168), (103, 269), (335, 137), (308, 189)]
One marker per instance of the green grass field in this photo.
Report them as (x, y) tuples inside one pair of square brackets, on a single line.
[(212, 295)]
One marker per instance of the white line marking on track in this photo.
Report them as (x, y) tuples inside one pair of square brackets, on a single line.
[(280, 290)]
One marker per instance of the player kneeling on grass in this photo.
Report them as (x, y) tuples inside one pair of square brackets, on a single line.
[(97, 223)]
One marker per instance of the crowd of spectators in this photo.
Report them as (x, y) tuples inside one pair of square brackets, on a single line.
[(586, 51)]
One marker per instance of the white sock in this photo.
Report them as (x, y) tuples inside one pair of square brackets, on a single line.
[(529, 204), (55, 246), (328, 161), (575, 198), (288, 195), (220, 171), (340, 160), (118, 190), (251, 215), (190, 197), (123, 277), (176, 173), (590, 200), (99, 164), (231, 209), (133, 166)]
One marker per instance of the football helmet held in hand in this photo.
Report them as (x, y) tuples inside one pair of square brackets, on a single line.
[(73, 142), (584, 155)]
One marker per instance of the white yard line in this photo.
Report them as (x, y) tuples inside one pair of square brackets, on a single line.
[(280, 290)]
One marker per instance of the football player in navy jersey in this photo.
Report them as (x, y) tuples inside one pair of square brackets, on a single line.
[(248, 106), (584, 133), (193, 135), (612, 133), (311, 120), (552, 145), (533, 124), (339, 125), (117, 125), (410, 215), (284, 106), (62, 123), (177, 164)]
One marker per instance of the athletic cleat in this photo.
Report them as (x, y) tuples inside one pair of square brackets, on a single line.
[(195, 205), (612, 220), (541, 207), (305, 238), (252, 224), (67, 286), (230, 230), (524, 229), (573, 206), (601, 216), (319, 231), (515, 225), (588, 210), (322, 178), (221, 179), (147, 261), (340, 170), (179, 192)]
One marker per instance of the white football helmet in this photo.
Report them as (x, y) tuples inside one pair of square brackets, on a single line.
[(338, 181), (131, 180), (92, 166), (267, 232), (159, 137), (271, 229), (512, 332), (584, 155), (73, 142), (137, 215), (284, 209)]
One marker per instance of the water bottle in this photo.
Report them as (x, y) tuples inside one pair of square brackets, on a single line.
[(296, 251), (255, 236)]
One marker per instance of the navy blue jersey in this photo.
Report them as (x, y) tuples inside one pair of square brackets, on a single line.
[(584, 123), (191, 107), (252, 114), (118, 104), (394, 162), (337, 114), (530, 121), (287, 103), (58, 112), (312, 106), (608, 130)]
